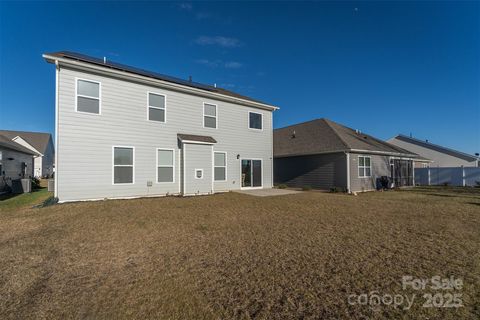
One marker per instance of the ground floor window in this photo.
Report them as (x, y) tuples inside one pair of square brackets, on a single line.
[(364, 167), (123, 165), (220, 166), (165, 165)]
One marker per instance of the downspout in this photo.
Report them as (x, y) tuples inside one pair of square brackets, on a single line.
[(348, 172), (57, 70)]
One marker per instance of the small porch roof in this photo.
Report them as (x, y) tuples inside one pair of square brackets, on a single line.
[(192, 138)]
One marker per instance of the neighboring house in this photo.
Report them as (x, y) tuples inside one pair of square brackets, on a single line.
[(324, 154), (41, 144), (124, 132), (16, 162), (439, 156)]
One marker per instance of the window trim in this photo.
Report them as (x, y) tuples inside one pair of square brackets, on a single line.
[(158, 166), (204, 115), (123, 165), (248, 119), (195, 174), (89, 97), (149, 106), (214, 166), (364, 167)]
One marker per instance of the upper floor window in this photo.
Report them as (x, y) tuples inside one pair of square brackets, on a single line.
[(255, 120), (364, 167), (425, 165), (209, 115), (88, 96), (123, 165), (220, 166), (156, 107)]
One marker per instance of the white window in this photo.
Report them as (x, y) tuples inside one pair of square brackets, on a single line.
[(165, 165), (364, 167), (157, 107), (88, 96), (123, 165), (1, 156), (255, 120), (198, 173), (220, 166), (209, 115)]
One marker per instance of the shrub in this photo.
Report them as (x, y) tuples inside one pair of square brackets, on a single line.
[(334, 189), (35, 183), (282, 186), (49, 202), (306, 188)]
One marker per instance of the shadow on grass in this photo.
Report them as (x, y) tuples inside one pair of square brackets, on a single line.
[(474, 203)]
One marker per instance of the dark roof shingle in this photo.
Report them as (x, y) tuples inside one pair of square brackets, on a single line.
[(38, 140), (325, 136), (5, 142), (193, 137)]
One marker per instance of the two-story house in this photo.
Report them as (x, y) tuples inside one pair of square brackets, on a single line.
[(123, 132)]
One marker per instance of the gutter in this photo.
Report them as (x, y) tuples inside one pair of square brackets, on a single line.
[(161, 83)]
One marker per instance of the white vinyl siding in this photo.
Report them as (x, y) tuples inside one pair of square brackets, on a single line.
[(220, 166), (255, 121), (364, 167), (210, 115), (157, 107), (87, 96), (165, 165), (123, 165)]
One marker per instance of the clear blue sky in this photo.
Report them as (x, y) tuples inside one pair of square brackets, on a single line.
[(382, 67)]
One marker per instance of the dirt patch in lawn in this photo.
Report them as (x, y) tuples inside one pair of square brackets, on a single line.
[(237, 256)]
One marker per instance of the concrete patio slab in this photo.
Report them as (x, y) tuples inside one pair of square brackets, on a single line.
[(268, 192)]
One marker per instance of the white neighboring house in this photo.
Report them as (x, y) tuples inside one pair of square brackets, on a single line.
[(41, 144), (123, 132)]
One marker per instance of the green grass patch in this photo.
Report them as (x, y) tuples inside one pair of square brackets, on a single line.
[(16, 201)]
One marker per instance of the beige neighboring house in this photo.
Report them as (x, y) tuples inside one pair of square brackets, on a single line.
[(41, 144)]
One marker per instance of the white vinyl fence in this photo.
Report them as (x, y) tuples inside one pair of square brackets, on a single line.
[(453, 176)]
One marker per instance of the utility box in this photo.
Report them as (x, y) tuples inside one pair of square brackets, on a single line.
[(21, 186), (51, 185)]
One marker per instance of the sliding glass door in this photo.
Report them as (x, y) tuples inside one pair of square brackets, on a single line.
[(251, 173)]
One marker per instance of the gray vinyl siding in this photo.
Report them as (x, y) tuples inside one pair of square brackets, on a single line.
[(317, 171), (198, 156), (84, 168), (13, 168), (380, 167)]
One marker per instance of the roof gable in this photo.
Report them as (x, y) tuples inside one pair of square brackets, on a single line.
[(325, 136), (6, 142), (38, 140)]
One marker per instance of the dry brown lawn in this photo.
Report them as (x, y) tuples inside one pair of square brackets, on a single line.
[(234, 256)]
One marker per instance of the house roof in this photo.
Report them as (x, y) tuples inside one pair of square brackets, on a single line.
[(436, 147), (193, 137), (122, 67), (5, 142), (325, 136), (38, 140)]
